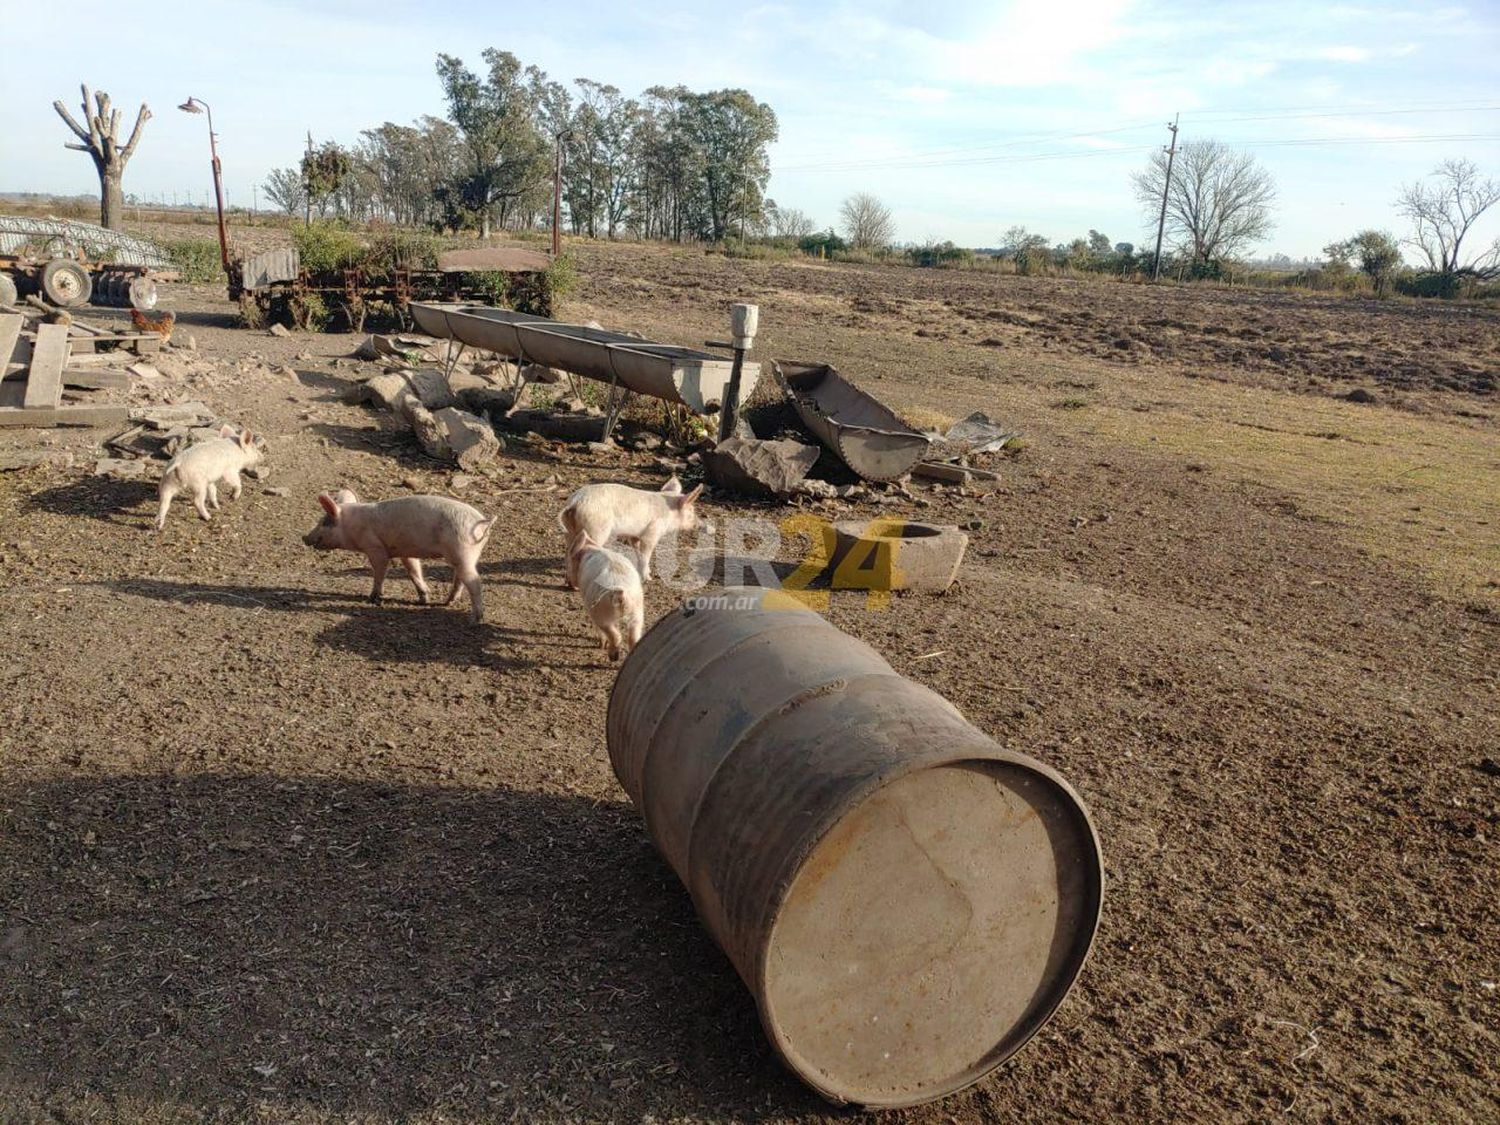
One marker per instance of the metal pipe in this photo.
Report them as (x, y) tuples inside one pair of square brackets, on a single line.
[(198, 105)]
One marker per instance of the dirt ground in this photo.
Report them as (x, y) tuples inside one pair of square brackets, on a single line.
[(271, 853)]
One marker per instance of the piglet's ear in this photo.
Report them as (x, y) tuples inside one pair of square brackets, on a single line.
[(226, 430), (672, 487), (247, 439), (693, 495), (346, 496), (330, 506)]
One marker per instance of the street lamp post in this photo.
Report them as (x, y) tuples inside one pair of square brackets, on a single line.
[(195, 105)]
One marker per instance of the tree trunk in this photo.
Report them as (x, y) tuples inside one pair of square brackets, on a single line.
[(111, 199)]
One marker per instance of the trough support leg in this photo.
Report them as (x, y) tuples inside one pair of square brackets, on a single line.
[(614, 403), (453, 358)]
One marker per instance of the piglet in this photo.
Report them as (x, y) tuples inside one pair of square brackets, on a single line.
[(605, 511), (201, 468), (408, 529), (612, 594)]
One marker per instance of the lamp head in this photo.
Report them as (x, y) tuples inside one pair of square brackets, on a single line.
[(192, 105)]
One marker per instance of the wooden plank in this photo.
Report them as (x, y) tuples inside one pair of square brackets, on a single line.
[(148, 345), (66, 416), (76, 360), (44, 387), (10, 332), (95, 380)]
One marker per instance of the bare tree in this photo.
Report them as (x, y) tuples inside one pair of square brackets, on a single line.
[(788, 222), (284, 187), (1444, 214), (1219, 203), (101, 140), (867, 221)]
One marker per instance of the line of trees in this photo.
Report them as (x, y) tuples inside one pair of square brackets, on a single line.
[(672, 164)]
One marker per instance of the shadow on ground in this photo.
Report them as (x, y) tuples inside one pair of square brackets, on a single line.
[(100, 498), (304, 945)]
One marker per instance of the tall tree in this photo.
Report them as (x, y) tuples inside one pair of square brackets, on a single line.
[(730, 131), (867, 221), (506, 157), (1219, 202), (1444, 214), (101, 140)]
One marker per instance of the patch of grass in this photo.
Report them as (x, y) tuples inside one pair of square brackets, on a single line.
[(1070, 404), (1424, 493), (328, 246), (197, 259)]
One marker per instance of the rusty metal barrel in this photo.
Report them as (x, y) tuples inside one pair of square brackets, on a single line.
[(907, 900)]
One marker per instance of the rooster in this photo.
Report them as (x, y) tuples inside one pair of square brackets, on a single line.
[(162, 327)]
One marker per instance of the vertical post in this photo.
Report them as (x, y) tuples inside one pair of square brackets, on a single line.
[(306, 194), (744, 320), (213, 147), (557, 196), (1166, 186)]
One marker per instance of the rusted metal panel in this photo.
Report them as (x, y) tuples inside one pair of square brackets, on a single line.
[(908, 901), (269, 267), (508, 259)]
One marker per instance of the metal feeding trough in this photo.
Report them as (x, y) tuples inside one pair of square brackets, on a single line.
[(477, 326), (695, 379), (907, 900), (868, 436)]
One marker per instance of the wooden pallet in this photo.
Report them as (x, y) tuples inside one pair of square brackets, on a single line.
[(36, 399)]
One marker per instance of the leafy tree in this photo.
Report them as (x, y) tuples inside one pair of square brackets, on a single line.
[(1098, 244), (1374, 252), (1219, 202), (505, 153), (101, 140), (867, 222), (323, 171), (1444, 214)]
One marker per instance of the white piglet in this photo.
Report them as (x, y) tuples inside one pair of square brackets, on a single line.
[(201, 468), (408, 529), (612, 594), (615, 511)]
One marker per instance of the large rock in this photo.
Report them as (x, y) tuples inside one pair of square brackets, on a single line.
[(759, 468), (392, 388), (471, 441), (425, 426), (429, 385)]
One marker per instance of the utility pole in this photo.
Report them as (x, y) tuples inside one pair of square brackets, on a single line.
[(1161, 223), (557, 196)]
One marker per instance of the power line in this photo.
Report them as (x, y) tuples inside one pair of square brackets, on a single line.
[(1129, 150), (920, 158)]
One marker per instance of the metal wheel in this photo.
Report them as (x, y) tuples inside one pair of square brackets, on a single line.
[(8, 295), (66, 284), (142, 293)]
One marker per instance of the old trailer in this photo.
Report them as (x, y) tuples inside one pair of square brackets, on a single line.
[(69, 263)]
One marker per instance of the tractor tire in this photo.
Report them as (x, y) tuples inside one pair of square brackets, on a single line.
[(66, 284), (8, 294)]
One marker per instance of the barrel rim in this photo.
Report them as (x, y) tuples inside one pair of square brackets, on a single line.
[(1056, 993)]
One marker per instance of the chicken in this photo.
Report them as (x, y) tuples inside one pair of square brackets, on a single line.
[(144, 323)]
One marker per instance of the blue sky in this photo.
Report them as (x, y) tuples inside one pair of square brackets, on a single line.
[(964, 118)]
